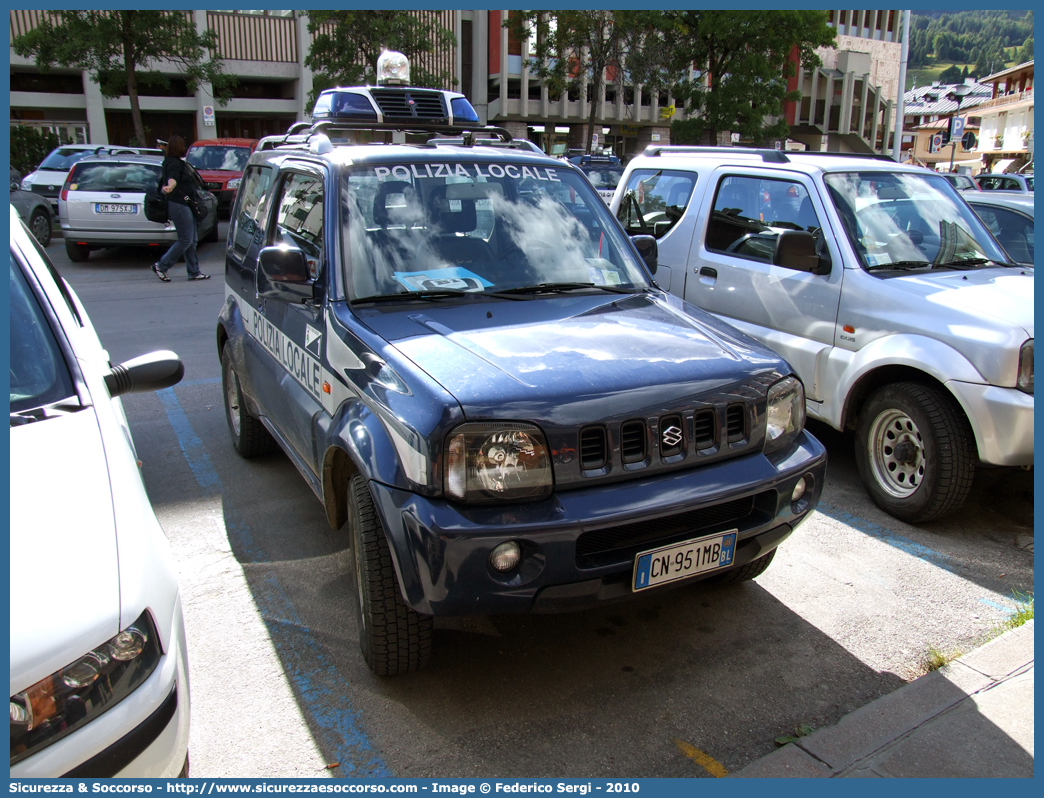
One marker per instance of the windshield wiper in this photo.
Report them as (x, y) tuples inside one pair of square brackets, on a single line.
[(558, 288), (415, 295), (899, 265), (969, 263)]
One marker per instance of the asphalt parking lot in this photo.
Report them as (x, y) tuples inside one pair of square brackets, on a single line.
[(847, 612)]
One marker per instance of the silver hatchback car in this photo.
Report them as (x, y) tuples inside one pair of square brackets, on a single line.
[(102, 205)]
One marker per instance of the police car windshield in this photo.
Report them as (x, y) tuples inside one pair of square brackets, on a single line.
[(479, 228), (903, 218)]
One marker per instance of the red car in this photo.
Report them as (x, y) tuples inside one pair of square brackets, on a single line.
[(220, 162)]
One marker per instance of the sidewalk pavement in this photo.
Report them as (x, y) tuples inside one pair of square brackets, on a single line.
[(972, 718)]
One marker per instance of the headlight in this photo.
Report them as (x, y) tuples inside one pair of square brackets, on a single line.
[(497, 461), (233, 183), (81, 691), (1025, 381), (785, 414), (27, 184)]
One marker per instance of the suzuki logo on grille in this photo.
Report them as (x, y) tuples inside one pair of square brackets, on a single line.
[(672, 436)]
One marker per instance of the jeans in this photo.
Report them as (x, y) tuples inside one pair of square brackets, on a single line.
[(185, 223)]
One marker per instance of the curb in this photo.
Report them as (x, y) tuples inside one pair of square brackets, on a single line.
[(873, 740)]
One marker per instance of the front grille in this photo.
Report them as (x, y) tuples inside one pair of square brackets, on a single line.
[(632, 442), (735, 425), (672, 439), (703, 431), (621, 543), (46, 191), (414, 104), (594, 451)]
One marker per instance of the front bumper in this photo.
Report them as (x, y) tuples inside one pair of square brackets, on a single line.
[(143, 736), (579, 545), (1002, 420)]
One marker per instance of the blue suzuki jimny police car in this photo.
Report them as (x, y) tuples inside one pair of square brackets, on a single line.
[(472, 367)]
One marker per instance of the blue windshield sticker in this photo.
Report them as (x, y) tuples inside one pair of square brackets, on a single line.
[(452, 279)]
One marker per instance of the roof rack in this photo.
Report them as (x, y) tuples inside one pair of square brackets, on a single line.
[(313, 135), (767, 155)]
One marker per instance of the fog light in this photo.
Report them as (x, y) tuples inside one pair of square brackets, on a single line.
[(505, 557), (799, 491)]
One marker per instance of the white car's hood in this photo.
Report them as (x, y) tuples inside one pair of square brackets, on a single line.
[(1004, 294), (65, 587)]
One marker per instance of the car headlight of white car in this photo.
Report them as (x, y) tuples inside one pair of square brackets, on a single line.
[(785, 414), (81, 691), (233, 183), (1025, 380), (497, 461), (27, 184)]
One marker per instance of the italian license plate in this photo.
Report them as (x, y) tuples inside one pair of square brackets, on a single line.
[(659, 566), (111, 207)]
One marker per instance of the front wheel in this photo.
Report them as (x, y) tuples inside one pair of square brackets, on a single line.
[(40, 225), (249, 436), (914, 451), (393, 637)]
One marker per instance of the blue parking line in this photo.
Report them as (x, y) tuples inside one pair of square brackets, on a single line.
[(320, 686), (936, 558), (1005, 609)]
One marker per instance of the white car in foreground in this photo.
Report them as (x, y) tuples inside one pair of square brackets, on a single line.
[(99, 673)]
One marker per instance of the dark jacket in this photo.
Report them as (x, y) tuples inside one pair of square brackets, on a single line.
[(177, 169)]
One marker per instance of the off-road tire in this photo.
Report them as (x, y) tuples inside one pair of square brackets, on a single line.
[(77, 253), (933, 475), (249, 436), (744, 573), (40, 225), (393, 637)]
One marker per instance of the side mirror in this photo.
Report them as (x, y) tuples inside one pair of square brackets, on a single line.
[(796, 249), (151, 372), (647, 248), (283, 274)]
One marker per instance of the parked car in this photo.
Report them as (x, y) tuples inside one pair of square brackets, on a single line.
[(1009, 216), (501, 408), (220, 163), (99, 675), (33, 209), (963, 182), (895, 305), (604, 172), (1005, 182), (49, 177), (102, 205)]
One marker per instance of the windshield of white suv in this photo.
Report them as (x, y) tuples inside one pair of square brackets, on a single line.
[(38, 373), (218, 158), (904, 220), (62, 159), (452, 228)]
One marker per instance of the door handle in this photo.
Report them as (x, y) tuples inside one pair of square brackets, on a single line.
[(707, 271)]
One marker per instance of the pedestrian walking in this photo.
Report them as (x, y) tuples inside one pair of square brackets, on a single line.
[(177, 185)]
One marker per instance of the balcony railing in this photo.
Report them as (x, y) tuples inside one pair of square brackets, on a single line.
[(1007, 99), (249, 37)]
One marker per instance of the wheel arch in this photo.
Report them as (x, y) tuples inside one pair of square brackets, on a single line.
[(337, 472)]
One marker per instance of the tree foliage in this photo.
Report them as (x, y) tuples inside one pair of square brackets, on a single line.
[(989, 40), (742, 61), (120, 50), (29, 146), (576, 50), (347, 44)]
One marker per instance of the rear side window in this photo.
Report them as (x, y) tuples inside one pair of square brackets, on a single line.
[(750, 213), (250, 207), (655, 201), (114, 177)]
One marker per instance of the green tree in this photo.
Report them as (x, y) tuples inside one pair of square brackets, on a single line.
[(744, 59), (573, 50), (347, 44), (1025, 52), (950, 75), (29, 146), (119, 49)]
